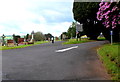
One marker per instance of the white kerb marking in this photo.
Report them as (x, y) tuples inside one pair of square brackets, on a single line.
[(66, 49)]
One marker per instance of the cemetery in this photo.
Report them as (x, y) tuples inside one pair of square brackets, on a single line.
[(17, 41)]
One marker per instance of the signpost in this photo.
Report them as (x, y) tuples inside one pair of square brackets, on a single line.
[(79, 28), (111, 33)]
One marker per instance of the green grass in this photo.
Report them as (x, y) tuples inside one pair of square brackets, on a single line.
[(40, 42), (109, 56), (74, 41), (22, 46)]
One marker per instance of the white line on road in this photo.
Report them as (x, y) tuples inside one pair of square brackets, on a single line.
[(66, 49)]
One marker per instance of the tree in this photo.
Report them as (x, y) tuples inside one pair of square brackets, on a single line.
[(15, 38), (27, 37), (109, 15), (64, 36), (56, 38), (71, 31), (38, 36), (85, 13), (47, 36)]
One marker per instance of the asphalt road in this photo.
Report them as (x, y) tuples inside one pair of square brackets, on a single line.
[(43, 62)]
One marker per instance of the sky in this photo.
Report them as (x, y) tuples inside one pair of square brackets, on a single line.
[(23, 16)]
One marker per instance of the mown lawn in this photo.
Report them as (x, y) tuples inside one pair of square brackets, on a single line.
[(110, 57), (22, 46), (74, 41)]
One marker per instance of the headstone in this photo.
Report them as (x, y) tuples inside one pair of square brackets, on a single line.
[(21, 41), (10, 43)]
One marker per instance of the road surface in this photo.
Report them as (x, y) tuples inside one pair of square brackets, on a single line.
[(54, 62)]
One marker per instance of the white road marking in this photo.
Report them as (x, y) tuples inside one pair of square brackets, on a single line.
[(66, 49)]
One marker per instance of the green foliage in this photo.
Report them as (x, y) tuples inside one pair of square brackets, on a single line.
[(15, 38), (48, 36), (27, 37), (64, 36), (72, 31), (38, 36), (83, 11), (65, 33), (110, 57)]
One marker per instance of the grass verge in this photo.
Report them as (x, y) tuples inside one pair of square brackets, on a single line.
[(111, 59), (74, 41), (22, 46)]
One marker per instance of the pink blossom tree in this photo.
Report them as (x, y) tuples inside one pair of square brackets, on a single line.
[(109, 13)]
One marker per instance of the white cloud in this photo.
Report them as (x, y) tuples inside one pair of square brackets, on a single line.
[(54, 28), (20, 16)]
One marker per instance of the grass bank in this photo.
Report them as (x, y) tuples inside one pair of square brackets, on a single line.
[(111, 59), (74, 41), (22, 46)]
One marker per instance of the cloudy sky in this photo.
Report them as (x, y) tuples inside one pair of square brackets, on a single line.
[(22, 16)]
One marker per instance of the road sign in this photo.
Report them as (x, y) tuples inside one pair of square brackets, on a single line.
[(79, 27), (111, 32)]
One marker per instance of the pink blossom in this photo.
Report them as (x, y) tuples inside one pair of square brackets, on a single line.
[(118, 22), (118, 15), (101, 3), (106, 17), (114, 8), (107, 26), (109, 14)]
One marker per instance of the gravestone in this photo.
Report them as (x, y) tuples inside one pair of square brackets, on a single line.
[(10, 43), (21, 41)]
